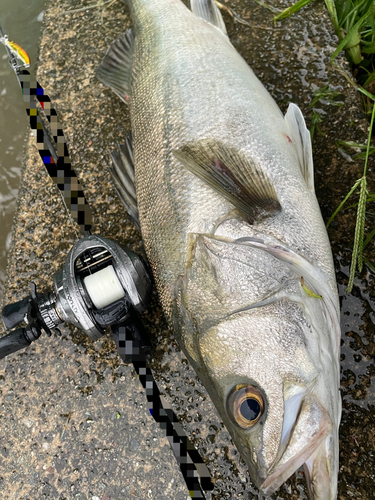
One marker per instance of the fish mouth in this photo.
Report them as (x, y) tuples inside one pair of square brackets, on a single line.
[(317, 453)]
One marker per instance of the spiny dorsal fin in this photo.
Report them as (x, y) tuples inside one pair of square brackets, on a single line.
[(123, 177), (208, 11), (116, 67), (302, 140), (232, 175)]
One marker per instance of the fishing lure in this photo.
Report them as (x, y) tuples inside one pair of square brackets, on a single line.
[(17, 51)]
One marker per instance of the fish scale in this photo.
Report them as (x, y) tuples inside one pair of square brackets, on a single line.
[(167, 200), (230, 224)]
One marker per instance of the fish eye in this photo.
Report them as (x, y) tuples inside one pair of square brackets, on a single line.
[(246, 405)]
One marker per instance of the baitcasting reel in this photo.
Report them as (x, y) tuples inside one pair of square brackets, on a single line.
[(101, 284)]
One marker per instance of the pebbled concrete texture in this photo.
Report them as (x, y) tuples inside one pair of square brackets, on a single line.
[(70, 434), (74, 422)]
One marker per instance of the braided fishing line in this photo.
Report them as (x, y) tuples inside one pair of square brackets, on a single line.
[(58, 162), (194, 470)]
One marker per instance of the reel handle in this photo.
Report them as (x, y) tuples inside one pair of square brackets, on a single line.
[(131, 339)]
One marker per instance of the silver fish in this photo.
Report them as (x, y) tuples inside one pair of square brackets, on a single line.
[(225, 200)]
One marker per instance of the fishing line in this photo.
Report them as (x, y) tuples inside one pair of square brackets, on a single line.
[(195, 472), (56, 160), (127, 335)]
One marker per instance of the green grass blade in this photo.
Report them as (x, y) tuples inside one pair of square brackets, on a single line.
[(316, 119), (371, 266), (356, 145), (269, 7), (369, 139), (351, 13), (343, 202), (356, 11), (358, 235), (368, 200), (368, 239), (326, 94), (331, 6), (350, 144), (352, 82), (368, 94), (370, 76), (349, 36), (291, 10), (363, 155)]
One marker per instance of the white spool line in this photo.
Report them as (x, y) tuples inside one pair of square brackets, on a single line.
[(104, 287)]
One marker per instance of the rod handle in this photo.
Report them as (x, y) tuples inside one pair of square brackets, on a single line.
[(13, 342)]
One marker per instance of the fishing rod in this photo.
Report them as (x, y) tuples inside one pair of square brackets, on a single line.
[(100, 285)]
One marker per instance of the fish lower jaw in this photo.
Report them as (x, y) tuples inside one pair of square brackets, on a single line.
[(321, 482), (318, 455)]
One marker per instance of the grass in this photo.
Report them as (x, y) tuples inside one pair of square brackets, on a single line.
[(359, 242), (354, 24), (328, 95), (357, 147)]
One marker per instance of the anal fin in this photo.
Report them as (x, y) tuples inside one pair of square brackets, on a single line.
[(123, 177), (116, 67), (236, 177), (208, 11)]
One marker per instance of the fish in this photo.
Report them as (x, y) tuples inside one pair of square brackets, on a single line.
[(221, 185)]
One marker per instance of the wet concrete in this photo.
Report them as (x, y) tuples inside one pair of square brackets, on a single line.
[(74, 422)]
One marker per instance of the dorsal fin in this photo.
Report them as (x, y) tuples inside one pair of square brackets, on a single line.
[(302, 140), (233, 175), (208, 11), (123, 177), (116, 67)]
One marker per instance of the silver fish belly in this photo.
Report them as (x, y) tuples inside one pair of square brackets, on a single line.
[(233, 232)]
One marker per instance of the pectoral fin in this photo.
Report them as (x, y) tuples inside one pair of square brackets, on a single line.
[(232, 175)]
